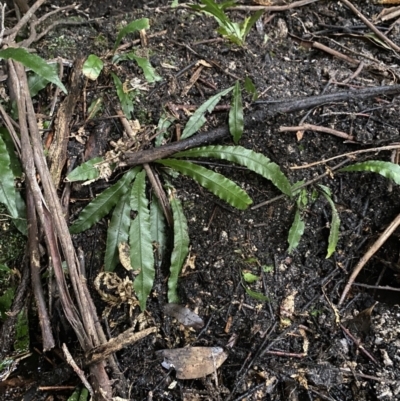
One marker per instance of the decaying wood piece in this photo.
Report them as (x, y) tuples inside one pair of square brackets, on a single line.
[(126, 338), (49, 211), (267, 109), (58, 148)]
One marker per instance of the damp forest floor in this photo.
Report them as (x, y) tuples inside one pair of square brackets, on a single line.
[(293, 346)]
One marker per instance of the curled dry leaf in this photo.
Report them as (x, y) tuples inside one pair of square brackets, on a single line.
[(193, 362), (124, 255), (184, 316)]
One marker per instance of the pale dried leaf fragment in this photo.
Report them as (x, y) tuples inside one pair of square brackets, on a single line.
[(184, 315), (124, 255), (287, 309), (193, 362)]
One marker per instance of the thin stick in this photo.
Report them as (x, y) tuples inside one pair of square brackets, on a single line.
[(356, 152), (77, 369), (312, 127), (12, 33), (371, 251), (274, 8), (371, 26)]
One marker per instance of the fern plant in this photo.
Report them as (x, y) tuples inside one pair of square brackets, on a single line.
[(147, 228)]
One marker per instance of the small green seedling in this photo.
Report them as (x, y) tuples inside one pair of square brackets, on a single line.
[(233, 31)]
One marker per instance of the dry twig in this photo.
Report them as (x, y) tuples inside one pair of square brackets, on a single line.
[(371, 251)]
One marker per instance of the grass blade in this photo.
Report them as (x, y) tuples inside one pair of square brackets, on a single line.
[(118, 231), (141, 252), (245, 157), (181, 248), (216, 183), (102, 205)]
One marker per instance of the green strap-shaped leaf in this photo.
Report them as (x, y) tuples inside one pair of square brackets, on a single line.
[(7, 185), (118, 231), (250, 88), (157, 229), (15, 164), (216, 183), (134, 26), (387, 169), (245, 157), (197, 120), (92, 67), (148, 70), (102, 205), (33, 62), (335, 222), (181, 248), (296, 231), (86, 171), (141, 252), (20, 222), (124, 98), (256, 295), (249, 22), (236, 120)]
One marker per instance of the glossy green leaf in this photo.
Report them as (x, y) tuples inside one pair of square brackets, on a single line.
[(148, 70), (386, 169), (141, 253), (86, 171), (250, 88), (117, 232), (157, 229), (197, 120), (249, 277), (248, 23), (20, 222), (296, 231), (164, 123), (21, 343), (134, 26), (181, 248), (124, 98), (33, 62), (103, 203), (36, 82), (84, 395), (214, 182), (245, 157), (92, 67), (256, 295), (335, 223), (216, 10), (7, 185), (236, 120), (15, 164)]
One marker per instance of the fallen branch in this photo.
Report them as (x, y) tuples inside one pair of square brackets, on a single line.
[(273, 107)]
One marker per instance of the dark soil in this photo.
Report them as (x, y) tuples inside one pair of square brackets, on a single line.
[(281, 350)]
